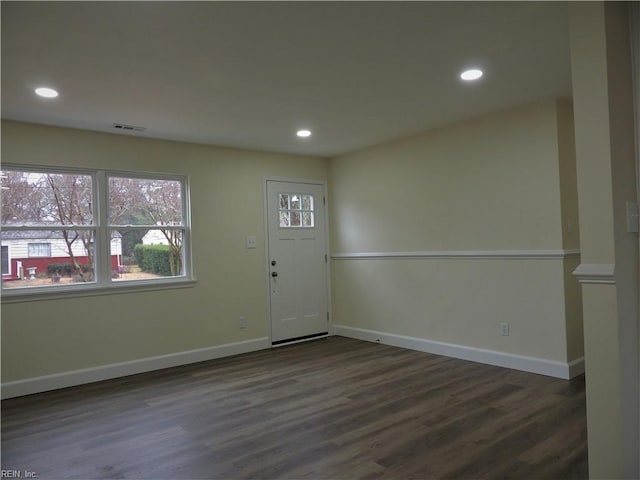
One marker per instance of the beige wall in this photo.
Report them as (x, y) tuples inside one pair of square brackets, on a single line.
[(568, 176), (486, 184), (570, 230), (458, 301), (45, 337), (490, 183)]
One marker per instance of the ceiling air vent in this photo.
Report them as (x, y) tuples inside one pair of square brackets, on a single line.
[(133, 128)]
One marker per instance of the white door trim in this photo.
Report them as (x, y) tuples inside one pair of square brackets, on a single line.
[(267, 267)]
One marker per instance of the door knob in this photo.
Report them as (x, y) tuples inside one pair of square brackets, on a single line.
[(274, 274)]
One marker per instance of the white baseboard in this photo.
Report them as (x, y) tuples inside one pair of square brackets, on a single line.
[(105, 372), (491, 357), (576, 367)]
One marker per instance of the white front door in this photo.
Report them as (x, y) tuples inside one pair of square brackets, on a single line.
[(297, 259)]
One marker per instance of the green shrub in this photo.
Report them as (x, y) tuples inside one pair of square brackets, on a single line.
[(59, 269), (64, 268), (154, 259), (138, 253)]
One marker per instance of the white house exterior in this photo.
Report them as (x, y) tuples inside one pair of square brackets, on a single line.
[(22, 250), (155, 237)]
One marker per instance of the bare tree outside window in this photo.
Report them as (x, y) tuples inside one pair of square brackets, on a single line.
[(52, 199), (153, 203)]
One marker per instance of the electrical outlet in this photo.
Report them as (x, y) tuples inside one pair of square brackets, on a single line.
[(504, 329), (243, 322)]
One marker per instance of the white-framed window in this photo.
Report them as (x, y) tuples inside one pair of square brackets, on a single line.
[(85, 229), (38, 249), (149, 215)]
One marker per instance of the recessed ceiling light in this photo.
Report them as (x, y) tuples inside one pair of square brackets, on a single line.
[(46, 92), (303, 133), (472, 74)]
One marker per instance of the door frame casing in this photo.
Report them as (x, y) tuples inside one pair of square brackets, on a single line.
[(323, 183)]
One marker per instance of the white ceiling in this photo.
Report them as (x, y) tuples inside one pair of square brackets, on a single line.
[(249, 74)]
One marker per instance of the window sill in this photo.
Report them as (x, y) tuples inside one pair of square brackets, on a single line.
[(48, 293)]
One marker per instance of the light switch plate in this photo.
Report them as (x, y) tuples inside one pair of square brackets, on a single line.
[(250, 241)]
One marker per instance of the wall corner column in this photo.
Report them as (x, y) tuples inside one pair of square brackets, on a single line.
[(604, 132)]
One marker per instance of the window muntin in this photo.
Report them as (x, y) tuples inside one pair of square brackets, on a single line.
[(39, 207), (38, 250), (296, 210)]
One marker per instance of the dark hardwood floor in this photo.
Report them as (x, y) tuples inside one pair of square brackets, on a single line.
[(335, 408)]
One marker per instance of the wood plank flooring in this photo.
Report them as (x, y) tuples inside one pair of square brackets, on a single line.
[(336, 408)]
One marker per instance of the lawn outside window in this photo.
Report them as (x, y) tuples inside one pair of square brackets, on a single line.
[(68, 230)]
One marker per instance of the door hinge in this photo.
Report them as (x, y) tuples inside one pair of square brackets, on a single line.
[(327, 317), (325, 258), (324, 201)]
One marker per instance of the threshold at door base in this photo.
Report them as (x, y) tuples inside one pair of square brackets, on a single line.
[(289, 341)]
